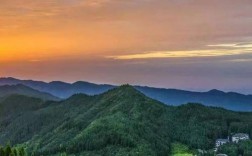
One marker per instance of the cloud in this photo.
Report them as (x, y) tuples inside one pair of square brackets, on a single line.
[(241, 60), (224, 49), (95, 3), (234, 45), (236, 50), (35, 60)]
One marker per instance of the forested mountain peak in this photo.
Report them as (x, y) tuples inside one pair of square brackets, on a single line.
[(216, 91), (124, 89)]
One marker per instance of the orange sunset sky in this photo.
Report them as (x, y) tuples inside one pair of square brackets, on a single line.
[(187, 44)]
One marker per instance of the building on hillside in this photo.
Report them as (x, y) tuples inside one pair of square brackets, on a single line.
[(239, 136), (220, 142), (221, 155)]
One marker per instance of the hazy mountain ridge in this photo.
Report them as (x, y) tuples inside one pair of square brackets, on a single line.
[(229, 100), (58, 88), (20, 89), (122, 121)]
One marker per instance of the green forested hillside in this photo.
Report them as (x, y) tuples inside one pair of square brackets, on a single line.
[(244, 148), (121, 121)]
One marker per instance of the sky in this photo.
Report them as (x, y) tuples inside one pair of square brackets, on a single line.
[(185, 44)]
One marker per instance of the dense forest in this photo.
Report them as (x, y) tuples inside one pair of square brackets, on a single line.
[(244, 148), (122, 121)]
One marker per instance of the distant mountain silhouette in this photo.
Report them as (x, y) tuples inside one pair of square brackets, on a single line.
[(229, 100), (21, 89), (58, 88)]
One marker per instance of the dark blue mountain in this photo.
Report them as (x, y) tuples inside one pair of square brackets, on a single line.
[(229, 100), (58, 88)]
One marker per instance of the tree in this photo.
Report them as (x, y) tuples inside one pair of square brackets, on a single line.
[(21, 152), (2, 151), (8, 150), (14, 151)]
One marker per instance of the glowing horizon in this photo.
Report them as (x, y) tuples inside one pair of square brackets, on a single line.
[(157, 43)]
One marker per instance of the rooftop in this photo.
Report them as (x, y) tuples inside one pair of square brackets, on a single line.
[(240, 135), (222, 140), (221, 155)]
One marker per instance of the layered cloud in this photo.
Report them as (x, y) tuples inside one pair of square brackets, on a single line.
[(223, 50), (115, 27)]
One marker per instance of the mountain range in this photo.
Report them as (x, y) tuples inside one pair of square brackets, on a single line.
[(60, 89), (121, 121), (228, 100), (19, 89)]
